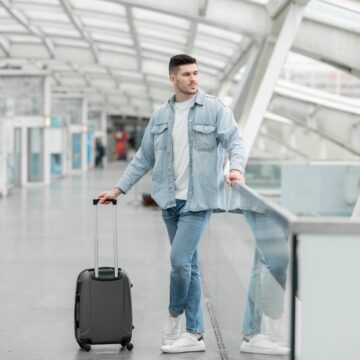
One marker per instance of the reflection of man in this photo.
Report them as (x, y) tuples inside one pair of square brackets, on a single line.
[(184, 145), (266, 285)]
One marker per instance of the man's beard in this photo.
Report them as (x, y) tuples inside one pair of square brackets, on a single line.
[(187, 92)]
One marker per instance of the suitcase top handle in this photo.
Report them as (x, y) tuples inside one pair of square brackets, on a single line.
[(113, 201)]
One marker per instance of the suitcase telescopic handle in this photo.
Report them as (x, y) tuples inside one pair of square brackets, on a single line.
[(113, 201), (96, 237)]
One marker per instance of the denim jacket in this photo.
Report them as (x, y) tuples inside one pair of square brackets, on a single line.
[(211, 129)]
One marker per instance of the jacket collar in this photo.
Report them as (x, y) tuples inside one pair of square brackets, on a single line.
[(199, 98)]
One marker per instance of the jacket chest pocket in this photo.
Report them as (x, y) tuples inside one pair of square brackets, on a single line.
[(160, 136), (204, 137)]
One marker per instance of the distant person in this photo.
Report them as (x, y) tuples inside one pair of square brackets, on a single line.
[(100, 154), (121, 138), (184, 145)]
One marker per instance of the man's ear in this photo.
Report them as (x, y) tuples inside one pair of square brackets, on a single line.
[(172, 78)]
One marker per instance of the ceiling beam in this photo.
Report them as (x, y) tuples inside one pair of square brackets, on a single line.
[(275, 117), (24, 21), (239, 28), (79, 26), (283, 143), (234, 66), (5, 46), (130, 20), (194, 25)]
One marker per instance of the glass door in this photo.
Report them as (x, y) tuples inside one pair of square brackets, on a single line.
[(76, 151), (17, 156), (35, 154)]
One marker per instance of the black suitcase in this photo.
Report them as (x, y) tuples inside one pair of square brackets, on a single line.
[(103, 310)]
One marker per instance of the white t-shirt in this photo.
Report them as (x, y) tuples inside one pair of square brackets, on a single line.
[(181, 148)]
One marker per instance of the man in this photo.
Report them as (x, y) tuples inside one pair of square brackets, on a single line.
[(184, 145)]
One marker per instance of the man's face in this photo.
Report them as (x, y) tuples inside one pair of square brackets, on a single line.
[(185, 80)]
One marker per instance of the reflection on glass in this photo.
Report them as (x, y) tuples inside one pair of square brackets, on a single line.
[(263, 175), (94, 120), (76, 151), (21, 95), (266, 321), (35, 154), (67, 108), (264, 313)]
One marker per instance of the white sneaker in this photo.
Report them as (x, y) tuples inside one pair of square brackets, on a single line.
[(172, 330), (185, 343), (260, 344)]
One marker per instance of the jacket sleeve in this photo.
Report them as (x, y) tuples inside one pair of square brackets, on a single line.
[(229, 136), (142, 162)]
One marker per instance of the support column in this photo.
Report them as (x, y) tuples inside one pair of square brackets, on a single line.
[(268, 69), (3, 167)]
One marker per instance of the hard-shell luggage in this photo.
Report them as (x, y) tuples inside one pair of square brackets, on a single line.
[(103, 310)]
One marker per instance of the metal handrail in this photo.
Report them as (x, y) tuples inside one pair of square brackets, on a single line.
[(250, 200)]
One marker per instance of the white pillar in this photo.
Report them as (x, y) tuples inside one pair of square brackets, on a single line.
[(3, 167), (269, 68)]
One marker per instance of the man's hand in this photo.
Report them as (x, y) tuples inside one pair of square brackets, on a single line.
[(108, 195), (234, 176)]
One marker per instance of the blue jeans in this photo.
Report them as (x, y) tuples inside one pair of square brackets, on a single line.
[(268, 275), (185, 229)]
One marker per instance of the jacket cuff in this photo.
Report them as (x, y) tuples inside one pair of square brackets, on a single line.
[(123, 186), (237, 166)]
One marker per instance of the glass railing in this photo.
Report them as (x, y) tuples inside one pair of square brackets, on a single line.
[(311, 188), (263, 175), (271, 277)]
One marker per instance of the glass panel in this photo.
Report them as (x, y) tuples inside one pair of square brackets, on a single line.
[(60, 32), (47, 16), (322, 189), (21, 95), (25, 39), (69, 42), (123, 40), (328, 297), (56, 164), (249, 290), (89, 152), (94, 120), (118, 49), (67, 109), (94, 22), (263, 175), (17, 156), (101, 7), (57, 122), (35, 154), (216, 32), (76, 151), (159, 18)]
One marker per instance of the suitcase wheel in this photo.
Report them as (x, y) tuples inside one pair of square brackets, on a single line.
[(128, 345), (86, 347)]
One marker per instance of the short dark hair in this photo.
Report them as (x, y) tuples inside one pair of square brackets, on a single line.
[(181, 59)]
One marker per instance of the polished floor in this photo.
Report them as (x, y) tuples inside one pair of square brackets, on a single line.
[(47, 239)]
